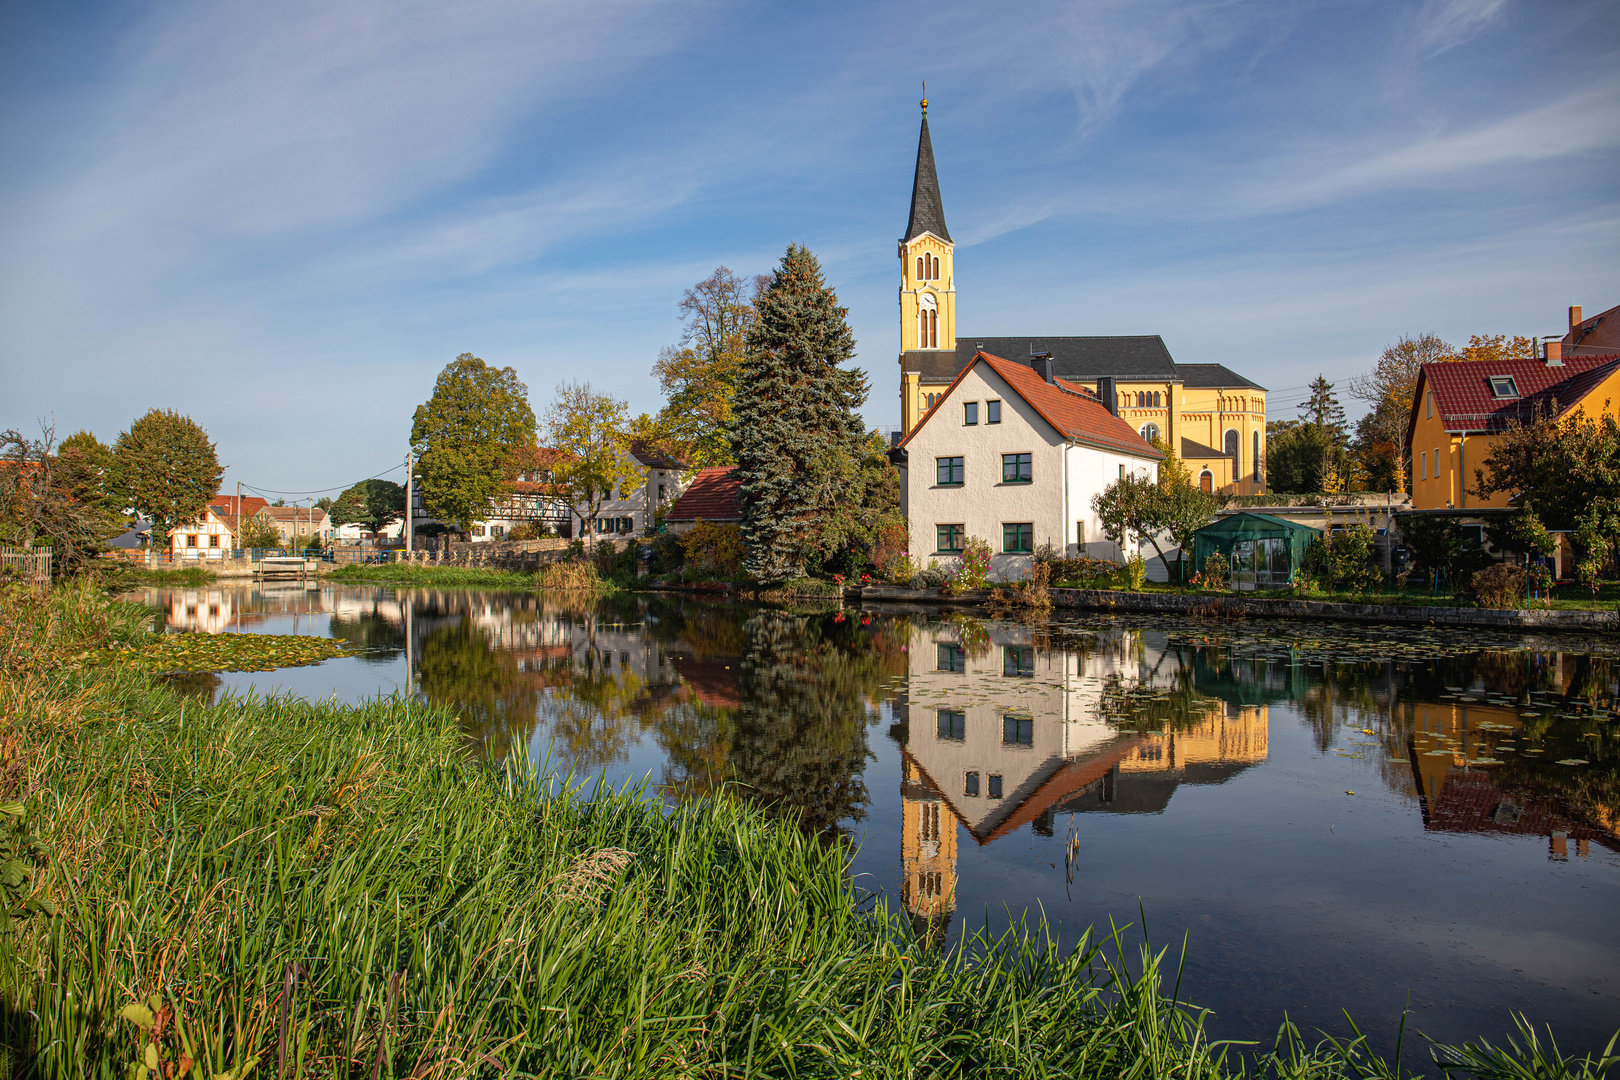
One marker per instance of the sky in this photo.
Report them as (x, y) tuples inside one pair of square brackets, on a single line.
[(284, 219)]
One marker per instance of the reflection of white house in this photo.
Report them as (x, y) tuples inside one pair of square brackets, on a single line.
[(1013, 456), (205, 611)]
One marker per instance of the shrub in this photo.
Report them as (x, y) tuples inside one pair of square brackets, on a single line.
[(1499, 586), (569, 574), (1083, 571), (1134, 572), (972, 566), (524, 531), (889, 554), (1217, 572), (933, 576), (714, 549)]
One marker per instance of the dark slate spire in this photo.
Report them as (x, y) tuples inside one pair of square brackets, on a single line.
[(927, 212)]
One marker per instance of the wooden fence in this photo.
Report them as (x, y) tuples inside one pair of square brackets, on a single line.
[(30, 564)]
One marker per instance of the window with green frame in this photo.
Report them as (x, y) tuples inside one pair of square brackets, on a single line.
[(1017, 537), (948, 539), (948, 471), (1016, 469), (1017, 731)]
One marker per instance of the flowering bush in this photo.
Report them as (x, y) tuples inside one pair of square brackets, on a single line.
[(972, 566), (1217, 572)]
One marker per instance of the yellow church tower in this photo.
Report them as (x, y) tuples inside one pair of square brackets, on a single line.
[(927, 276)]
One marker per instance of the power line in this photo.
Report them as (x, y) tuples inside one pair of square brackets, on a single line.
[(322, 491)]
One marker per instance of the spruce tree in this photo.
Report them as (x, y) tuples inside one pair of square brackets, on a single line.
[(795, 426)]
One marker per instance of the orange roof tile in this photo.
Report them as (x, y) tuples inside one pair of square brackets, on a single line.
[(712, 496)]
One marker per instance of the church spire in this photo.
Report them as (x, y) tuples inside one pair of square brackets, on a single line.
[(927, 212)]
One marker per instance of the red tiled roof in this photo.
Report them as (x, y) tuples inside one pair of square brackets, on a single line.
[(1597, 336), (1463, 398), (1070, 408), (712, 496)]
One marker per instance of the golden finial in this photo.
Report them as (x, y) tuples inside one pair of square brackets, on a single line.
[(925, 97)]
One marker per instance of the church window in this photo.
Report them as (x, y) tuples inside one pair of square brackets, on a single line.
[(1150, 432), (934, 259), (1256, 457), (933, 329), (919, 268), (1232, 447)]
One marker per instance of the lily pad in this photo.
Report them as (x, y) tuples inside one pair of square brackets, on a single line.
[(230, 652)]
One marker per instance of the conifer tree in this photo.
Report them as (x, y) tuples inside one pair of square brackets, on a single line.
[(795, 425)]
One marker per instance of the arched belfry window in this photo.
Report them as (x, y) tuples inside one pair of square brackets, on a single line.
[(919, 268), (927, 323), (934, 259)]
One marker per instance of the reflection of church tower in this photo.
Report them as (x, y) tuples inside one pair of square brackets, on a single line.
[(927, 276), (927, 855)]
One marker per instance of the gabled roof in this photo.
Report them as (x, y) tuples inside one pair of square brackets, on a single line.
[(1597, 336), (1198, 451), (1079, 359), (654, 458), (1214, 377), (1072, 410), (299, 514), (927, 212), (226, 508), (711, 496), (1464, 402)]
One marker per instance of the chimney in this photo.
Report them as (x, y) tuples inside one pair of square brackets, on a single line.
[(1555, 353), (1574, 317), (1106, 394), (1042, 363)]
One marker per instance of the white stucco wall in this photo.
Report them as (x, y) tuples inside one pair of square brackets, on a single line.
[(1064, 478)]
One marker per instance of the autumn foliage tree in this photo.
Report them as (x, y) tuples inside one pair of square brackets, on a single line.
[(586, 432), (1389, 389), (164, 469), (699, 374)]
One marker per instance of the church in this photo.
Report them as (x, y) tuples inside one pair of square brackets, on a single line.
[(1211, 417)]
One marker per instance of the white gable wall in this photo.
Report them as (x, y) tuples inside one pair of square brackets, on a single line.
[(1064, 478)]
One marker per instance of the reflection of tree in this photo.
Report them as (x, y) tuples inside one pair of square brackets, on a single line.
[(696, 739), (798, 741), (381, 640), (495, 701), (592, 716)]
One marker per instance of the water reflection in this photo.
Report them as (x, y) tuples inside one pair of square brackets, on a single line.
[(1085, 766)]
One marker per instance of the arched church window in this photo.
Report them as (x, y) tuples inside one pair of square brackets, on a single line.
[(935, 260), (1157, 403), (920, 273), (1233, 444), (1150, 432)]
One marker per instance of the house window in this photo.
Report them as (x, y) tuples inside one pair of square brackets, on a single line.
[(1018, 661), (478, 530), (627, 524), (1428, 405), (970, 413), (1503, 386), (1122, 471), (213, 540), (1423, 465), (992, 412), (995, 785), (970, 785), (1149, 432), (1080, 535), (497, 531), (1018, 537), (660, 492), (952, 658), (948, 539), (1016, 468), (1017, 731), (948, 471), (952, 724)]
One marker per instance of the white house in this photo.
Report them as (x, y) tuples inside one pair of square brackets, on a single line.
[(1014, 456)]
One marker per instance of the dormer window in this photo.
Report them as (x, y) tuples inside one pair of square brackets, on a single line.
[(1503, 387)]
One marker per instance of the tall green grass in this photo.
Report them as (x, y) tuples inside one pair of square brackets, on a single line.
[(292, 889), (403, 574)]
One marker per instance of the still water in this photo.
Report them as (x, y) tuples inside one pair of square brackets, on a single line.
[(1335, 817)]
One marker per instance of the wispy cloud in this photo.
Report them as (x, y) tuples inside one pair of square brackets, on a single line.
[(1445, 24)]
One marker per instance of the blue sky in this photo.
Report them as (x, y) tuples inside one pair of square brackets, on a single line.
[(284, 219)]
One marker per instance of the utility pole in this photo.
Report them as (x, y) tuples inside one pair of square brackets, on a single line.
[(410, 499)]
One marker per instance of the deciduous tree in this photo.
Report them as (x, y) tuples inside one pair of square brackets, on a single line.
[(165, 470), (1389, 388), (586, 431), (796, 422), (371, 504), (699, 375), (46, 498), (470, 436)]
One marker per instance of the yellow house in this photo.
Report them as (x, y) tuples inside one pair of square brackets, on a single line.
[(1212, 417), (1460, 408)]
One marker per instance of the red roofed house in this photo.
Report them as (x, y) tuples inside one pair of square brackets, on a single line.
[(1012, 455), (711, 496), (1460, 408), (215, 535), (1597, 336)]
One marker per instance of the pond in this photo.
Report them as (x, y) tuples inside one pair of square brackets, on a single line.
[(1334, 817)]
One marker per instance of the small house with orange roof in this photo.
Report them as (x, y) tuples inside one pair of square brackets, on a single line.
[(1013, 455)]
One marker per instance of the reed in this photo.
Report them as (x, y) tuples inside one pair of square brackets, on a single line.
[(298, 889)]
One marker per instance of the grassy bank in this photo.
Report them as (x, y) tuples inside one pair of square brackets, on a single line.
[(309, 890), (449, 576)]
